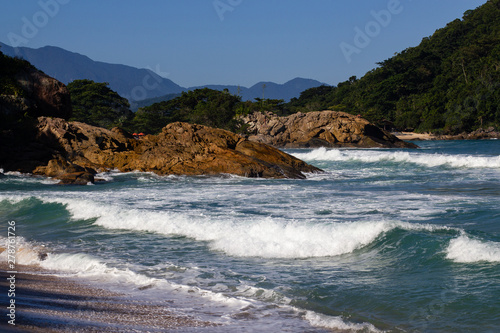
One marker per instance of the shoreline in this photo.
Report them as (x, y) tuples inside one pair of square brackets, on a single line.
[(477, 135), (412, 136), (48, 303)]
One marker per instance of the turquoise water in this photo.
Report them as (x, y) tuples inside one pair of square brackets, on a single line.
[(384, 240)]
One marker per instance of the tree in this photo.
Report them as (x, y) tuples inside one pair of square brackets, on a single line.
[(202, 106), (96, 104), (447, 83)]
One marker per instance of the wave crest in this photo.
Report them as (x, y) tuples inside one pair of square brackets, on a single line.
[(466, 250), (429, 160)]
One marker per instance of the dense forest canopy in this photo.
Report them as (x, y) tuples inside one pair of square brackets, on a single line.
[(202, 106), (9, 86), (96, 104), (9, 67), (449, 83)]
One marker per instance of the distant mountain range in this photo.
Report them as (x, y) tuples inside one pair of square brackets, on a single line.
[(271, 90), (138, 84)]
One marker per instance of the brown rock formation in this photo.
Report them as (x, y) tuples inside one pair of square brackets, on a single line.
[(25, 95), (66, 172), (73, 151), (180, 149), (319, 129)]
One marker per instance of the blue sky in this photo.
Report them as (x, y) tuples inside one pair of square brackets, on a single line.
[(240, 42)]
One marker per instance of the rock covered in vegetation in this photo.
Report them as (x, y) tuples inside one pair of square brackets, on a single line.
[(180, 149), (319, 129), (449, 83), (34, 93), (479, 134)]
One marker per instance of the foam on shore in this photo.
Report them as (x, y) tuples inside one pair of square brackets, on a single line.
[(46, 303)]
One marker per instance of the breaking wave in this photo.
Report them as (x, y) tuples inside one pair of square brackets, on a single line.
[(266, 237), (466, 250), (428, 160)]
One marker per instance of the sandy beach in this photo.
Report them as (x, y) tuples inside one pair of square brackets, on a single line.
[(409, 136), (47, 303), (479, 134)]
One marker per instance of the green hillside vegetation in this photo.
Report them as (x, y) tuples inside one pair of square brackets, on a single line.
[(14, 112), (450, 83), (201, 106), (9, 86), (136, 105), (96, 104), (9, 67)]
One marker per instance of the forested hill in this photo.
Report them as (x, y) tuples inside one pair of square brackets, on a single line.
[(449, 83)]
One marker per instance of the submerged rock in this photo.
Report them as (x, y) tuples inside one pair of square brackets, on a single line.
[(319, 129)]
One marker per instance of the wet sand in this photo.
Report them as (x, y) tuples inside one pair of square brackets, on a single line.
[(47, 303)]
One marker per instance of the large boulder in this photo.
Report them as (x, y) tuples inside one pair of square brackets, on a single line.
[(26, 94), (180, 149), (66, 172), (319, 129)]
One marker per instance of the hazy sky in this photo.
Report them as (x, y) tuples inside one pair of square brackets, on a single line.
[(196, 42)]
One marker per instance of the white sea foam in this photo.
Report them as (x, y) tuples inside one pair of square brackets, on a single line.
[(272, 238), (12, 199), (74, 264), (266, 237), (91, 269), (18, 177), (267, 295), (464, 249), (187, 299), (337, 323), (26, 253), (15, 173), (429, 160)]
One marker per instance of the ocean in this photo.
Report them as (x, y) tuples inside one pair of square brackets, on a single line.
[(393, 240)]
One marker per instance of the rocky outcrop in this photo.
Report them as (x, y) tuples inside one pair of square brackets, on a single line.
[(51, 96), (319, 129), (31, 141), (36, 94), (66, 172), (25, 94), (479, 134), (80, 150)]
